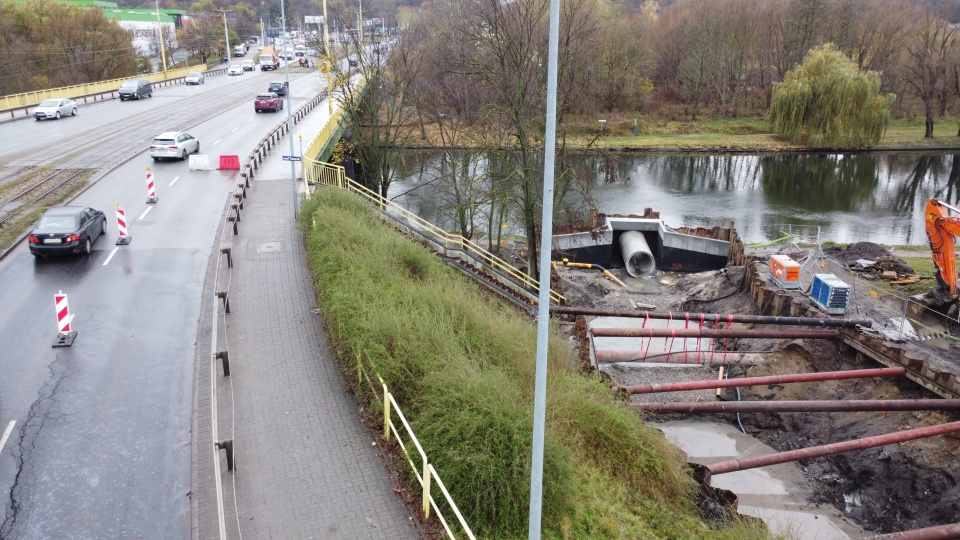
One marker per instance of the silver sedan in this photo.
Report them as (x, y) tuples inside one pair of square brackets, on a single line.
[(55, 108)]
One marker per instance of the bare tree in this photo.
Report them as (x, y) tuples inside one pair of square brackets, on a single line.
[(931, 46)]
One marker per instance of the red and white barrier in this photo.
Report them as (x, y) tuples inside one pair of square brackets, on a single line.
[(65, 332), (151, 190), (124, 238)]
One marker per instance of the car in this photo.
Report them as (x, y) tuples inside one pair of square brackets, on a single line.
[(268, 102), (194, 77), (353, 62), (55, 108), (65, 230), (135, 89), (235, 70), (247, 65), (279, 88), (174, 144)]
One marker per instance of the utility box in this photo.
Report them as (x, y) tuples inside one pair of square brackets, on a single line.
[(785, 271), (830, 293)]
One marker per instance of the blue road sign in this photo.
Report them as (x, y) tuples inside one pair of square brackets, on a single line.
[(291, 158)]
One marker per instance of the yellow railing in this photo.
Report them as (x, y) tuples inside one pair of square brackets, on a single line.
[(333, 175), (425, 472), (32, 98), (326, 134)]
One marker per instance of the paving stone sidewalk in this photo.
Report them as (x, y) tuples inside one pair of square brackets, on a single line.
[(306, 465)]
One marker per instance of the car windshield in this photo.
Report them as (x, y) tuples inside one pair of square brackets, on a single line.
[(166, 142), (264, 98), (50, 103), (57, 223), (194, 74), (129, 84)]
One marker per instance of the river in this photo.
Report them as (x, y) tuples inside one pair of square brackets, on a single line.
[(844, 198)]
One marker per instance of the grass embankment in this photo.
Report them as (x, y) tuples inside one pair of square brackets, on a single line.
[(744, 134), (461, 366)]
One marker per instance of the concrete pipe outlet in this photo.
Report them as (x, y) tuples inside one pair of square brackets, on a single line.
[(636, 254)]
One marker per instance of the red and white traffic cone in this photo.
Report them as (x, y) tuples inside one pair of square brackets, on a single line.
[(151, 190), (65, 333), (122, 227)]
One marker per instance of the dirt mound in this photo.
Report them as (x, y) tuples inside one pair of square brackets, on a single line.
[(856, 251)]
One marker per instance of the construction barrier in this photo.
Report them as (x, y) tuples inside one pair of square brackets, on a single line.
[(151, 190), (124, 239), (229, 163), (65, 333), (200, 163)]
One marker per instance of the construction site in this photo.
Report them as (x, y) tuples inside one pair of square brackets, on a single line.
[(787, 344)]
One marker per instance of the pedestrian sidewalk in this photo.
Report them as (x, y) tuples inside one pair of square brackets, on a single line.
[(306, 467)]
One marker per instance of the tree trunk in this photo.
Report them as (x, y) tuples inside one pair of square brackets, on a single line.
[(928, 133)]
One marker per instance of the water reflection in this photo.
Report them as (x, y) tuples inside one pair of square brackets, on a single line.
[(849, 197)]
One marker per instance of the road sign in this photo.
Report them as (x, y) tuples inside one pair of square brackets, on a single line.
[(291, 158)]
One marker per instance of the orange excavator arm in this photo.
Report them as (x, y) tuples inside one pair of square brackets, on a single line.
[(942, 231)]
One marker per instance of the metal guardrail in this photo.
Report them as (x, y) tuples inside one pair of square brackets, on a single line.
[(98, 91), (334, 175)]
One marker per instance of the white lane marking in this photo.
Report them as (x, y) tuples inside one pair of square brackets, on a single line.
[(250, 120), (6, 434), (112, 253), (218, 142), (145, 212), (174, 181), (234, 129)]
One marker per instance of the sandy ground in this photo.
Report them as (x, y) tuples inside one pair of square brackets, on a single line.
[(893, 488)]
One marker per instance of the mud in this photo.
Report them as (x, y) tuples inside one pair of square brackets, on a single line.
[(886, 489)]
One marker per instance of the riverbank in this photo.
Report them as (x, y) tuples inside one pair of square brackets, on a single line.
[(720, 136)]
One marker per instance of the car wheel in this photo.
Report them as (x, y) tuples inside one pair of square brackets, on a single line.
[(58, 115), (150, 95), (86, 246), (156, 158), (74, 113), (197, 151), (183, 157), (103, 227), (37, 256)]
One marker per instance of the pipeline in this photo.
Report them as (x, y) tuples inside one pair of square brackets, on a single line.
[(590, 266), (828, 449), (937, 532), (801, 406), (637, 256), (758, 381), (685, 357), (710, 333), (711, 317)]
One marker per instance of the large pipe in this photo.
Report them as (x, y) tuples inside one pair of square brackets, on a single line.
[(710, 317), (682, 357), (938, 532), (828, 449), (758, 381), (800, 406), (710, 333), (636, 254)]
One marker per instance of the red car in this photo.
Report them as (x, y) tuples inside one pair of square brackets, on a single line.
[(268, 102)]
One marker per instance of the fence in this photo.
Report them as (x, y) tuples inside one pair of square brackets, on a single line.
[(333, 175)]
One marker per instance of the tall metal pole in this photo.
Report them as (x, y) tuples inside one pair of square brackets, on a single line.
[(360, 31), (328, 60), (226, 36), (543, 308), (163, 54), (286, 73)]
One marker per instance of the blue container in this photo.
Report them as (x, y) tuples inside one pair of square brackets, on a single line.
[(830, 293)]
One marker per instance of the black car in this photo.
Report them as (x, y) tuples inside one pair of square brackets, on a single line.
[(65, 230), (279, 88)]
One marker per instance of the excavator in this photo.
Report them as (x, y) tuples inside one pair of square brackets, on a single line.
[(942, 231)]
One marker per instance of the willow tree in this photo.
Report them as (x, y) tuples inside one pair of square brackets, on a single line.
[(828, 101)]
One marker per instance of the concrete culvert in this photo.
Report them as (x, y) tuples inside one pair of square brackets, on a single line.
[(636, 254)]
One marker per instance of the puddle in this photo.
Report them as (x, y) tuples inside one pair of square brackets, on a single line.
[(775, 494)]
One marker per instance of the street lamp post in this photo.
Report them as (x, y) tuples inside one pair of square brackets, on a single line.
[(286, 72), (163, 54), (226, 36)]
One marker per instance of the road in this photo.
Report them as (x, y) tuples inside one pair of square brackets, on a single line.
[(98, 434)]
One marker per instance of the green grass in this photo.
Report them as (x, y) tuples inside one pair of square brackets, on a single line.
[(461, 367)]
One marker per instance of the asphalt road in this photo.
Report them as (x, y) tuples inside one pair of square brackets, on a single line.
[(98, 434)]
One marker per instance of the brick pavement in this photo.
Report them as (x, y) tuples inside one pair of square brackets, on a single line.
[(306, 466)]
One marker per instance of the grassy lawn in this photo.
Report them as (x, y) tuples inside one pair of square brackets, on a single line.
[(460, 365)]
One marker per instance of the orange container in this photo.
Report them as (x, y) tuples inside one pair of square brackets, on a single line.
[(785, 271)]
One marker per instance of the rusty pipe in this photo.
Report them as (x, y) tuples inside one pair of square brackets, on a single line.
[(829, 449), (710, 333), (937, 532), (683, 357), (711, 317), (801, 406), (758, 381)]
